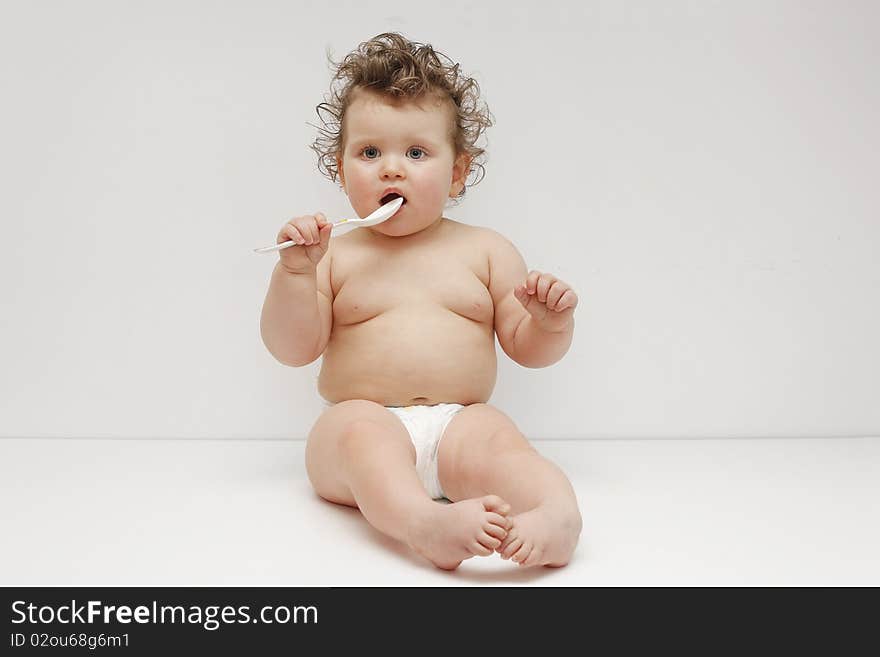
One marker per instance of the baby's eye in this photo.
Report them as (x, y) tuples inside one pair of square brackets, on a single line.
[(370, 149), (419, 153)]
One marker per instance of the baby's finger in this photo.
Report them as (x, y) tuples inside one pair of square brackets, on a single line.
[(567, 300), (311, 232), (532, 281), (320, 223), (544, 283), (292, 233), (521, 294), (325, 231), (554, 294)]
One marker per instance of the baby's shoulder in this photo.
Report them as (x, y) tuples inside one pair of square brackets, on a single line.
[(490, 240), (481, 236)]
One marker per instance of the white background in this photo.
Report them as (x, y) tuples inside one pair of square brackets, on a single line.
[(703, 173)]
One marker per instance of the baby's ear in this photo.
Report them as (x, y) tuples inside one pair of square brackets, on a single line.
[(340, 170), (460, 169)]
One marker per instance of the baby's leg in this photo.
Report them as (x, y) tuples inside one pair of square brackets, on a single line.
[(483, 451), (360, 454)]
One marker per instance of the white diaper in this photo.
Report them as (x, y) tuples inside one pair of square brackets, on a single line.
[(426, 425)]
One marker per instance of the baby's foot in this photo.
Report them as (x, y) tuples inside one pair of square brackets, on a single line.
[(452, 533), (544, 536)]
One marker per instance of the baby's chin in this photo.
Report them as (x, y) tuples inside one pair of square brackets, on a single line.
[(392, 231), (392, 228)]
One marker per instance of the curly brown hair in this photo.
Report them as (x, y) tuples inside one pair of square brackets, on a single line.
[(400, 69)]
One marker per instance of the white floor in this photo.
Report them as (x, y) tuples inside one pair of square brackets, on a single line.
[(656, 512)]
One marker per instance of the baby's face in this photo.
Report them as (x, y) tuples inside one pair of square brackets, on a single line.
[(403, 145)]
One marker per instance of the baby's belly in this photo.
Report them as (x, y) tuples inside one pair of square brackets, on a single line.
[(404, 358)]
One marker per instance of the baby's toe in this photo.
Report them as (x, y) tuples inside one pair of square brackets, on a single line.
[(511, 548), (496, 504), (489, 541), (495, 531), (512, 535), (534, 558), (499, 520), (507, 540), (522, 554), (480, 549)]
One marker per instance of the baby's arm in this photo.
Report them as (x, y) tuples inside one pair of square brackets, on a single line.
[(534, 318), (297, 314), (507, 269)]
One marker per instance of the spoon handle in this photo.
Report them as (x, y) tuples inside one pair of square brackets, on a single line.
[(275, 247), (378, 216), (288, 243)]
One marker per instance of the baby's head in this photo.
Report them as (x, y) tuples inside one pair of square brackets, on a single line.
[(401, 118)]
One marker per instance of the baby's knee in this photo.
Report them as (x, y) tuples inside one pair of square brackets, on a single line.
[(505, 440), (360, 433), (487, 457)]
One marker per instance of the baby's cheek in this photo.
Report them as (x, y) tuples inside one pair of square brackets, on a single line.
[(360, 197)]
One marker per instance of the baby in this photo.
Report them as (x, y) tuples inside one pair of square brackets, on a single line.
[(405, 315)]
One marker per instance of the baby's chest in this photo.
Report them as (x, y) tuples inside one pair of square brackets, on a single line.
[(371, 286)]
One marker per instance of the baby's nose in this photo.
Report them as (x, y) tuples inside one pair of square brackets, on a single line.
[(391, 169)]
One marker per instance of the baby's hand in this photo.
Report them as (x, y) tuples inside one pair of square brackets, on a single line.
[(312, 235), (550, 301)]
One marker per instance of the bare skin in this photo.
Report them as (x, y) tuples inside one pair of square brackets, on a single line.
[(416, 304), (540, 537), (448, 534), (413, 324), (412, 319)]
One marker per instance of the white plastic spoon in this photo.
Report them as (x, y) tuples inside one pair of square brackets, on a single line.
[(381, 214)]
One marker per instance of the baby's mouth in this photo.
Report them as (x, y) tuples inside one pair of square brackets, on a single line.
[(390, 197)]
